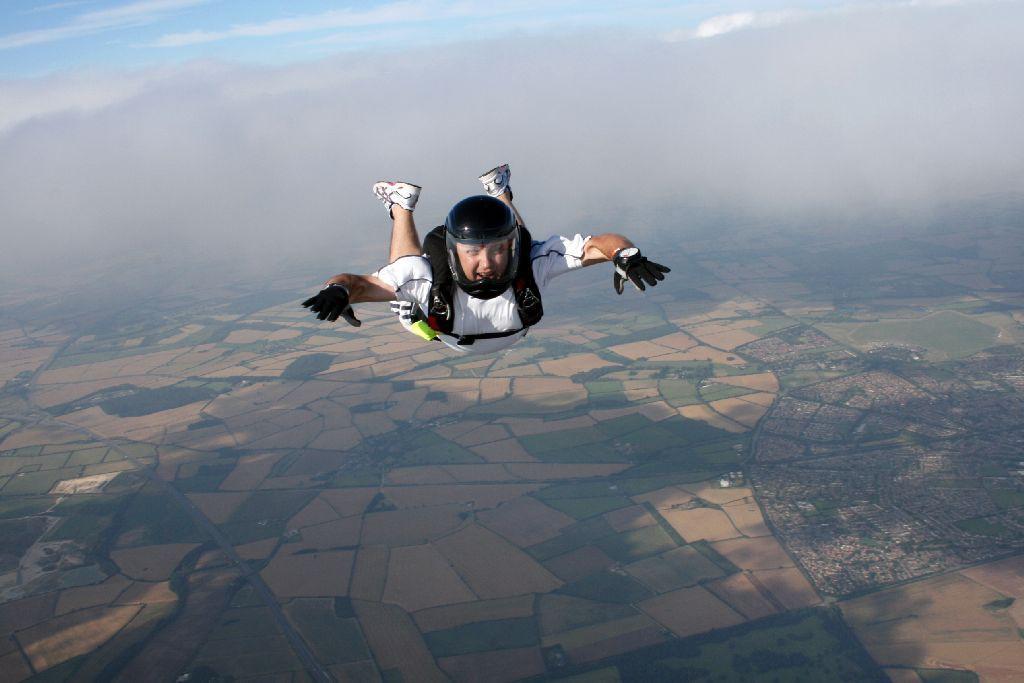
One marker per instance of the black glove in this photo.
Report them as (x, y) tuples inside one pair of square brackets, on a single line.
[(630, 264), (331, 302)]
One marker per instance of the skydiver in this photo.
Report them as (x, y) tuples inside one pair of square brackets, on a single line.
[(475, 282)]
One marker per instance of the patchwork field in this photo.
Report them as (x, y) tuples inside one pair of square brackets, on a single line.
[(588, 503), (966, 621)]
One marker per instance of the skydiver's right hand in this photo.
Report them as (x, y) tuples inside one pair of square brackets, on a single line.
[(331, 302)]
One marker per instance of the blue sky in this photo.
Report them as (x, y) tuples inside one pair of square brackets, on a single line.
[(46, 36)]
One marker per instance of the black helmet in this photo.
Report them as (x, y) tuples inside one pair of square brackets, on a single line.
[(482, 220)]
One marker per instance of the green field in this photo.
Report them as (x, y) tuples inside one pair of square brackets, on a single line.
[(808, 645), (334, 639), (634, 545), (582, 508), (982, 527), (607, 587), (946, 334), (482, 636)]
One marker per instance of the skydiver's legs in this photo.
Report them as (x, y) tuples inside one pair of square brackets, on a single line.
[(495, 184), (507, 198), (400, 200), (405, 241)]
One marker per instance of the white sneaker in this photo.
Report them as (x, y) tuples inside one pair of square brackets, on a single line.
[(391, 194), (495, 181)]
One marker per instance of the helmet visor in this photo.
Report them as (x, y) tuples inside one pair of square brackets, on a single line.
[(484, 266)]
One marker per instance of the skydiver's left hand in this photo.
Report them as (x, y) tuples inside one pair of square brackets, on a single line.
[(630, 264), (331, 302)]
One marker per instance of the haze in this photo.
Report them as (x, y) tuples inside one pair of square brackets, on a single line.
[(827, 121)]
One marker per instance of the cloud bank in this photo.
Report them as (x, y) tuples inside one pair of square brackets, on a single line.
[(894, 111)]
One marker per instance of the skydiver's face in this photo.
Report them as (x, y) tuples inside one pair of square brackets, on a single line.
[(484, 261)]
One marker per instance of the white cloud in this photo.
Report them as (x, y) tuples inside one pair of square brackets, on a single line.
[(395, 13), (724, 23), (124, 16), (892, 112)]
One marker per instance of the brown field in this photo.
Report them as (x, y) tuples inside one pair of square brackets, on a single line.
[(40, 436), (689, 611), (19, 614), (456, 402), (674, 569), (309, 576), (372, 424), (419, 474), (249, 472), (411, 526), (762, 381), (701, 524), (479, 473), (506, 450), (317, 512), (148, 594), (419, 577), (249, 335), (348, 502), (788, 586), (296, 437), (704, 353), (578, 563), (370, 573), (482, 435), (145, 428), (747, 517), (666, 498), (705, 414), (183, 332), (593, 642), (396, 643), (715, 494), (545, 470), (337, 439), (641, 350), (151, 562), (12, 664), (680, 341), (630, 518), (616, 645), (754, 553), (257, 550), (452, 430), (218, 506), (760, 399), (52, 395), (738, 592), (528, 426), (339, 533), (654, 411), (495, 388), (450, 616), (574, 364), (524, 370), (72, 599), (406, 403), (725, 335), (525, 521), (495, 667), (1005, 576), (738, 410), (493, 567), (71, 635), (941, 622), (386, 368), (481, 496), (132, 365)]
